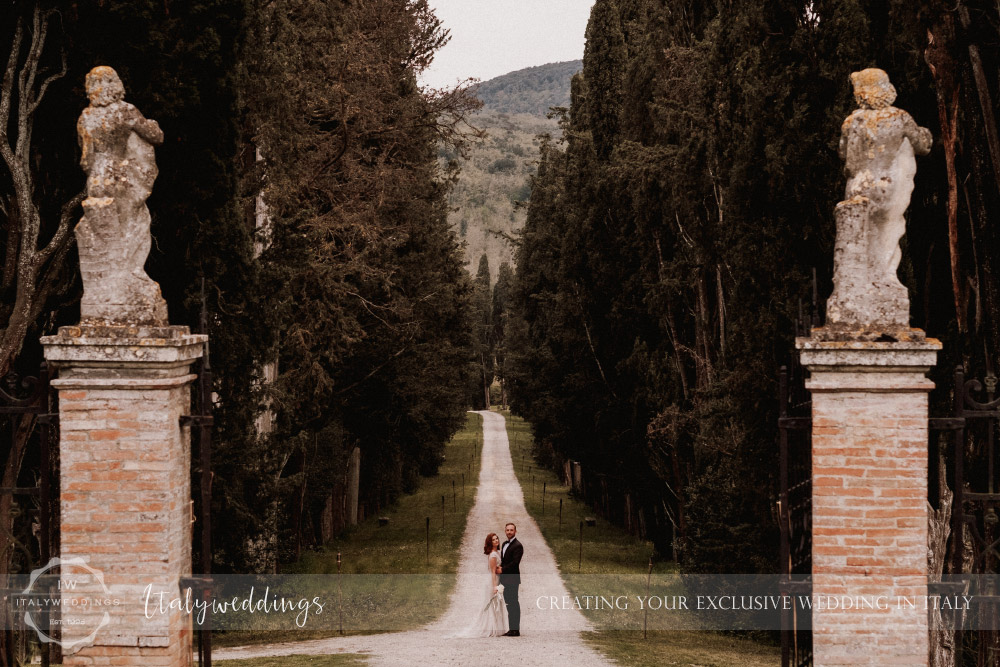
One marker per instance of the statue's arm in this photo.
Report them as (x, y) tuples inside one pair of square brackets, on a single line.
[(920, 137), (145, 128), (86, 146), (149, 130), (845, 132)]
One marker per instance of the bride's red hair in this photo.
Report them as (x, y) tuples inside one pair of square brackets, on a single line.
[(489, 544)]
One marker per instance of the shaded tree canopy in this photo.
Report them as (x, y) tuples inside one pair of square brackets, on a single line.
[(299, 179), (671, 236)]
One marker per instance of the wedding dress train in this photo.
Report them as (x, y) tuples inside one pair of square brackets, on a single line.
[(491, 619)]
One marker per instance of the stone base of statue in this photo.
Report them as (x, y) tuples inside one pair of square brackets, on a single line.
[(866, 289), (113, 248)]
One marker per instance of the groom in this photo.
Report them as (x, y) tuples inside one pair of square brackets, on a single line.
[(510, 576)]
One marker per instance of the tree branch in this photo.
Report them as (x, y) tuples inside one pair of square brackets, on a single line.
[(13, 240), (7, 91), (373, 372), (45, 84), (62, 232), (26, 81)]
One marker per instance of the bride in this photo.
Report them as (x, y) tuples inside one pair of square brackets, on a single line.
[(491, 621)]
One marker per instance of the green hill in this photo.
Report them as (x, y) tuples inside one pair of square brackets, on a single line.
[(530, 91), (495, 178), (496, 175)]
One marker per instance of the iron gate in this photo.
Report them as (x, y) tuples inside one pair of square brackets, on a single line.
[(795, 503), (974, 545), (201, 423), (27, 402)]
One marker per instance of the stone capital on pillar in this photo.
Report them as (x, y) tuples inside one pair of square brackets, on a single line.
[(87, 349), (869, 494), (868, 366), (125, 496)]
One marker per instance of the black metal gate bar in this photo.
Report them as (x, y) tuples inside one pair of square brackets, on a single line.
[(37, 403), (795, 510), (974, 519), (980, 498), (784, 519), (956, 426), (795, 499), (202, 420)]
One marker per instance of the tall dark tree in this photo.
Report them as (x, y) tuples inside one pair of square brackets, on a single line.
[(482, 300), (669, 242), (372, 309), (604, 62), (359, 291), (499, 317)]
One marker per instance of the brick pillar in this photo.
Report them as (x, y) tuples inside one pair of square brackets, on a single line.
[(869, 499), (125, 488)]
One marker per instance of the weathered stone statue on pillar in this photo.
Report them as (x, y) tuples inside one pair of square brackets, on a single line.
[(877, 143), (113, 238), (124, 382), (869, 404)]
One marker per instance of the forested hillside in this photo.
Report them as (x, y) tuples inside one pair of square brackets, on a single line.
[(530, 91), (672, 233), (265, 192), (488, 202), (489, 197)]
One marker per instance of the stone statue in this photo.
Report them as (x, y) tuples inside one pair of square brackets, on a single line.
[(113, 237), (877, 143)]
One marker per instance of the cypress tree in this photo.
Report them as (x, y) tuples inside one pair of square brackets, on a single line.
[(661, 335), (482, 296), (604, 69)]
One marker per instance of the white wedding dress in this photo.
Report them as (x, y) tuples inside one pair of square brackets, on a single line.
[(491, 619)]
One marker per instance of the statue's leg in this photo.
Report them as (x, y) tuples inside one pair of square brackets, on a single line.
[(888, 253)]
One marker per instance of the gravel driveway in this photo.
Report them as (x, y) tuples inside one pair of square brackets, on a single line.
[(547, 637)]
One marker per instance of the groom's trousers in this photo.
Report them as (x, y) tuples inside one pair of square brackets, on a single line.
[(510, 586)]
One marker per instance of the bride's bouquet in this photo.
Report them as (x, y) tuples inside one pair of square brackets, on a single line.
[(496, 601)]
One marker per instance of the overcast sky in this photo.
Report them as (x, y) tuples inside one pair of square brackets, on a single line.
[(493, 37)]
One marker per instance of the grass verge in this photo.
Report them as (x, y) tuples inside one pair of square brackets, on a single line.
[(392, 580), (612, 563)]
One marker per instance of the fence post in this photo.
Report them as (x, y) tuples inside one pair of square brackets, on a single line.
[(340, 594), (645, 608)]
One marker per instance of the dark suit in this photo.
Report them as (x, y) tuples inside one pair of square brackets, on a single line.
[(510, 564)]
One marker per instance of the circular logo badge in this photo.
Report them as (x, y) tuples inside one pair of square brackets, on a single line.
[(68, 591)]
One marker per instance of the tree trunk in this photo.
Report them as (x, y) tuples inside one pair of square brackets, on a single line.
[(942, 67), (942, 637)]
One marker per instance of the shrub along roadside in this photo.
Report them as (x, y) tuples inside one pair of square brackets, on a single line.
[(609, 550)]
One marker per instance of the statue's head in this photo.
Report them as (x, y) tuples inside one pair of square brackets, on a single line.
[(104, 87), (872, 89)]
